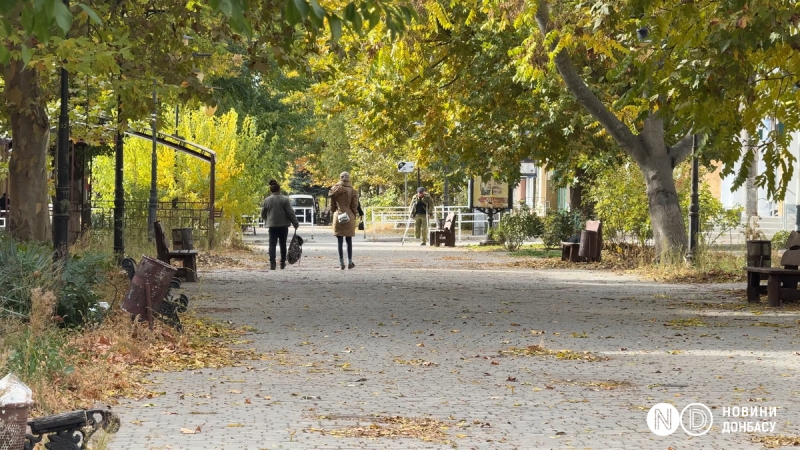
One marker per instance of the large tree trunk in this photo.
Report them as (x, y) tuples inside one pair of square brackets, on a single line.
[(577, 200), (29, 216), (750, 189), (666, 217), (648, 149)]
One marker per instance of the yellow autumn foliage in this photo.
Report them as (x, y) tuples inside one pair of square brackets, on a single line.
[(240, 179)]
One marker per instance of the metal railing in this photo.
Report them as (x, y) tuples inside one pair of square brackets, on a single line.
[(381, 219)]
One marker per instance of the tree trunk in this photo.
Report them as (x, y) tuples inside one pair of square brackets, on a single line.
[(666, 217), (29, 217), (577, 201), (750, 189)]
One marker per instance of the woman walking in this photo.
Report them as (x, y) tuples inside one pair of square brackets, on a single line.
[(278, 213), (344, 203)]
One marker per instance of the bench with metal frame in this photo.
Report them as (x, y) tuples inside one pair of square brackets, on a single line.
[(187, 257), (781, 281), (71, 430)]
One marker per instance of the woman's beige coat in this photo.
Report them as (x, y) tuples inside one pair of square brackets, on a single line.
[(344, 199)]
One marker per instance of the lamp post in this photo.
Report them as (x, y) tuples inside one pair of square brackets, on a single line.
[(151, 210), (694, 209), (119, 190), (61, 207)]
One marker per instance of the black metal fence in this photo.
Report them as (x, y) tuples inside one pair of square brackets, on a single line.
[(194, 215)]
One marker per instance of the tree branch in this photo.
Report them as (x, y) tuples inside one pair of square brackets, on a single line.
[(615, 127), (681, 150)]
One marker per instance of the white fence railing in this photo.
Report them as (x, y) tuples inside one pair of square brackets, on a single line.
[(398, 218)]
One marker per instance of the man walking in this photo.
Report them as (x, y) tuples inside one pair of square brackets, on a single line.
[(278, 214), (421, 211)]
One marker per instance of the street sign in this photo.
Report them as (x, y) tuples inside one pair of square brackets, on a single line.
[(405, 167)]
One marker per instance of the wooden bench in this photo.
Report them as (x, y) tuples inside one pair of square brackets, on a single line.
[(781, 281), (589, 248), (446, 235), (187, 257)]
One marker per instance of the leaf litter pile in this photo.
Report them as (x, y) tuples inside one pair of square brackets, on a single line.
[(112, 359), (426, 429), (777, 441), (539, 350)]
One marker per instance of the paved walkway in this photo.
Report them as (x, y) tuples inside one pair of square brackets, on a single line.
[(415, 332)]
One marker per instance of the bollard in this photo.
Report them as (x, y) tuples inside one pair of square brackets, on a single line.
[(15, 400), (153, 276)]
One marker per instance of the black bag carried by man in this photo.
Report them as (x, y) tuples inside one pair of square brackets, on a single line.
[(295, 250)]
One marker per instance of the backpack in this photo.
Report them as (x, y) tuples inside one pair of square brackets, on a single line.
[(295, 250)]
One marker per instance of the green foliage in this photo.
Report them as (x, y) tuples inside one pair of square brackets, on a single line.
[(620, 202), (23, 266), (387, 198), (37, 354), (779, 239), (715, 220), (78, 302), (26, 266), (560, 225), (517, 226)]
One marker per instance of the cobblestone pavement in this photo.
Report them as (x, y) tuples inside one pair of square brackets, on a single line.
[(416, 332)]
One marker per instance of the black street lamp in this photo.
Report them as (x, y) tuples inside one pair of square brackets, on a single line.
[(694, 208), (152, 205), (61, 207), (119, 190)]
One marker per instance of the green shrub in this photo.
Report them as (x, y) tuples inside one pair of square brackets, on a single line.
[(559, 225), (517, 226), (23, 267), (37, 354), (779, 239), (619, 196), (78, 300), (26, 266)]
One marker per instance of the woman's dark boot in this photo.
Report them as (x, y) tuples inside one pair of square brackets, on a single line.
[(272, 265), (283, 265)]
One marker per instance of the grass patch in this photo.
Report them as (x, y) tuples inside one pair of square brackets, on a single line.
[(536, 251), (709, 266), (539, 350)]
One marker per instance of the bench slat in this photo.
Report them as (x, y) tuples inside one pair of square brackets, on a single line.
[(772, 270)]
